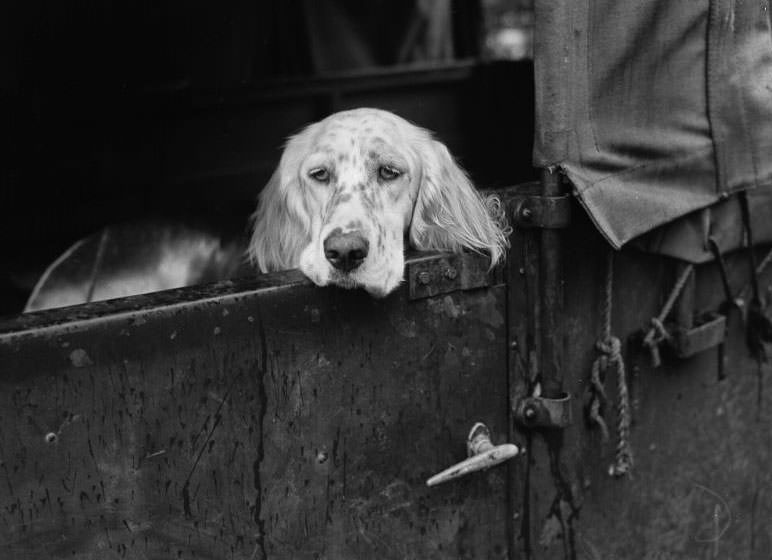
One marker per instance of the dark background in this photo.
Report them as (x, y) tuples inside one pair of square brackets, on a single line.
[(116, 111)]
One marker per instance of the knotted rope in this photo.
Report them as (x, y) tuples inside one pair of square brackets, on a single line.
[(610, 357), (657, 333), (764, 262)]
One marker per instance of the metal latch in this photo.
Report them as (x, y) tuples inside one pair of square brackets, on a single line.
[(441, 273), (708, 332), (541, 412), (482, 455)]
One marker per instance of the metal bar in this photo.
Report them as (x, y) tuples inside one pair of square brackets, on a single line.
[(551, 273), (471, 272), (76, 318), (522, 279)]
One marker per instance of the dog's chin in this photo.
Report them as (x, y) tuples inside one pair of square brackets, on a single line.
[(343, 280), (350, 281), (376, 279)]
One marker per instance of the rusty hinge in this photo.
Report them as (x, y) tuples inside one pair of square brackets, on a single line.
[(535, 211), (529, 207), (441, 273), (540, 412)]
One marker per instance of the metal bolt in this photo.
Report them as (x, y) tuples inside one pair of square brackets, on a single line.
[(424, 278), (50, 437), (451, 273), (526, 214), (529, 413)]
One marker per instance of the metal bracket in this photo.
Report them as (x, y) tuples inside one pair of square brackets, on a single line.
[(690, 333), (540, 412), (535, 211), (442, 273), (709, 331)]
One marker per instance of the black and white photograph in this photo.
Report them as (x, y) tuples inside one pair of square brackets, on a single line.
[(386, 279)]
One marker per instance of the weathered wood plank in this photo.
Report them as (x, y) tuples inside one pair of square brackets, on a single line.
[(258, 421), (702, 445)]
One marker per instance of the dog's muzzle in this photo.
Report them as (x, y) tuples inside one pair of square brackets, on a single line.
[(346, 251)]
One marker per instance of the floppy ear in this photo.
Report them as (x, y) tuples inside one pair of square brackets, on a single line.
[(281, 223), (449, 213)]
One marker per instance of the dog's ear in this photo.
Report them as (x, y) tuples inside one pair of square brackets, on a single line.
[(449, 213), (281, 223)]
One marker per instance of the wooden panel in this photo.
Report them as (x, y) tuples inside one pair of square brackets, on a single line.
[(702, 446), (257, 420)]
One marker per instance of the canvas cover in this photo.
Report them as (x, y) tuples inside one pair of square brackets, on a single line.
[(657, 109)]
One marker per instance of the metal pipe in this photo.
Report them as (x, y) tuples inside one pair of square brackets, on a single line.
[(551, 273)]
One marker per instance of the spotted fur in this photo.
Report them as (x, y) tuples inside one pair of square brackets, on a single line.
[(431, 202)]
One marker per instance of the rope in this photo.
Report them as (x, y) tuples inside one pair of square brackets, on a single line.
[(675, 292), (719, 258), (764, 262), (610, 357), (759, 271), (598, 399), (609, 293), (623, 463), (657, 333)]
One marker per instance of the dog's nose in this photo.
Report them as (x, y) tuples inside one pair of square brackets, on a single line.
[(346, 251)]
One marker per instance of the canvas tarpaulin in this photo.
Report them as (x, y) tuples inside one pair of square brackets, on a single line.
[(657, 109)]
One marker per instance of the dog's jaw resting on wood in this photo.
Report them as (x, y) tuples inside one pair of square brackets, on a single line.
[(350, 189), (349, 193)]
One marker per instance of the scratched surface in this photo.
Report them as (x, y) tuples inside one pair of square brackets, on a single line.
[(277, 420), (253, 422), (701, 482)]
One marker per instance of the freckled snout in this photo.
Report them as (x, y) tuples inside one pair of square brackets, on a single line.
[(346, 251)]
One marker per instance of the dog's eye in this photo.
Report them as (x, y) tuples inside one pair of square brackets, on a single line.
[(388, 173), (320, 174)]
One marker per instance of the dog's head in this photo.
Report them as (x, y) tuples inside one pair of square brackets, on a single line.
[(351, 188)]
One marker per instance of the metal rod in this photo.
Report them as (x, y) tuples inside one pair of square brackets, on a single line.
[(551, 272)]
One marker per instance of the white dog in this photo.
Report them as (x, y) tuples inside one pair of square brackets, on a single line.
[(349, 192)]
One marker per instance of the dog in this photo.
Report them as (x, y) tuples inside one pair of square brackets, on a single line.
[(349, 194)]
